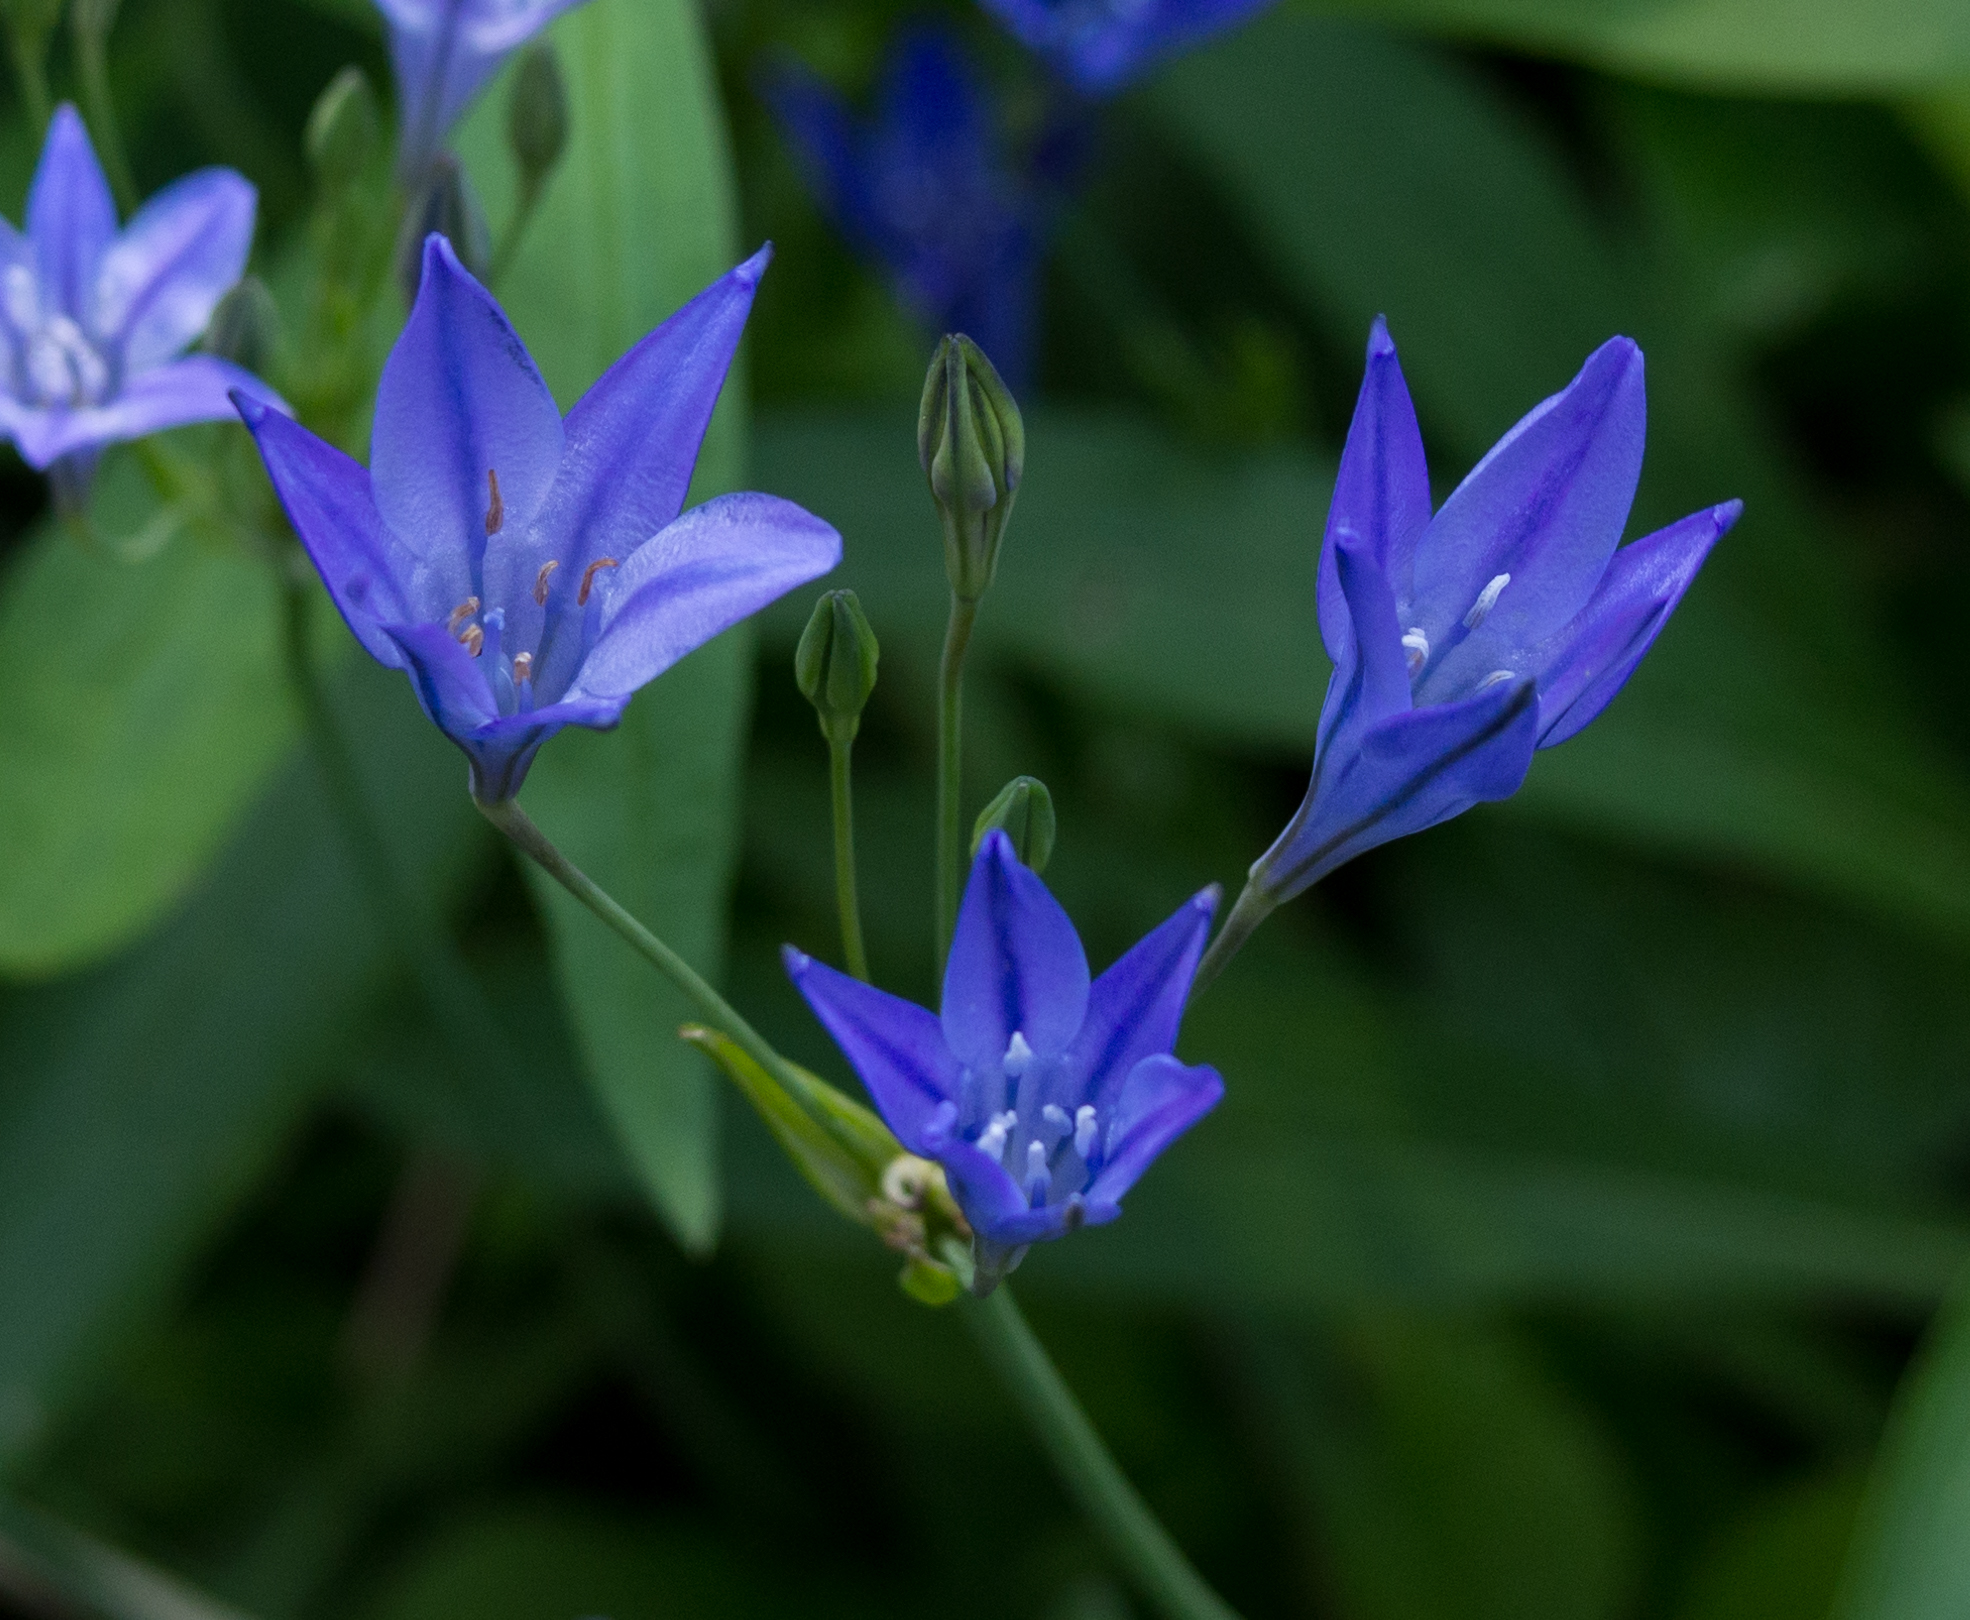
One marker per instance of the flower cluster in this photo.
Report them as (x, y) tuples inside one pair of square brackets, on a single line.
[(1098, 46)]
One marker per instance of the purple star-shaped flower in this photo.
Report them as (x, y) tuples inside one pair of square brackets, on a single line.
[(1100, 45), (923, 190), (528, 573), (444, 52), (1505, 623), (1043, 1096), (96, 318)]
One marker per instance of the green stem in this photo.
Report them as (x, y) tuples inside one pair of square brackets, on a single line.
[(31, 69), (514, 234), (950, 758), (847, 899), (1252, 909), (92, 67), (1134, 1537)]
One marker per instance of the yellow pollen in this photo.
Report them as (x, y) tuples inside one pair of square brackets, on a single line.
[(495, 508), (540, 582), (474, 639), (588, 578), (462, 612), (523, 668)]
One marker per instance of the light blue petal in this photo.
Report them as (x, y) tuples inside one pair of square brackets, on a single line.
[(1016, 964), (71, 216), (163, 277)]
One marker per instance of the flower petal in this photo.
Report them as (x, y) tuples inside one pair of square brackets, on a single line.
[(1581, 668), (327, 499), (196, 389), (1098, 47), (631, 443), (162, 278), (1382, 492), (502, 751), (1016, 964), (1406, 773), (897, 1047), (451, 687), (1135, 1007), (1371, 677), (704, 573), (1160, 1100), (1545, 507), (71, 216), (443, 55), (990, 1198), (460, 398)]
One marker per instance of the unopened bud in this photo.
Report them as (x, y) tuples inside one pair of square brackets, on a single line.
[(245, 328), (972, 443), (835, 664), (537, 114), (343, 130), (443, 203), (1023, 810)]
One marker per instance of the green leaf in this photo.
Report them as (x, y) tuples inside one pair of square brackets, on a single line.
[(97, 1576), (1911, 1556), (143, 1099), (1800, 47), (1781, 1560), (144, 710), (639, 217)]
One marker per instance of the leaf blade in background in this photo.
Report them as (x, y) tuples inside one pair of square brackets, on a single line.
[(640, 216)]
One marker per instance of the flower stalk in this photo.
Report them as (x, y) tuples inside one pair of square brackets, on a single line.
[(950, 772), (1252, 908), (1135, 1538), (91, 21), (847, 897)]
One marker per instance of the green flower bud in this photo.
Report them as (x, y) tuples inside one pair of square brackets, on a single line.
[(444, 203), (342, 130), (537, 114), (835, 664), (245, 328), (972, 443), (1024, 810)]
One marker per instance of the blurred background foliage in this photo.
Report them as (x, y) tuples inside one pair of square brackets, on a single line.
[(1590, 1166)]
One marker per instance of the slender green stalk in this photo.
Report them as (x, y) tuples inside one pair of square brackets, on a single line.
[(43, 1558), (847, 897), (30, 52), (514, 234), (1134, 1537), (92, 68), (1252, 909), (950, 759)]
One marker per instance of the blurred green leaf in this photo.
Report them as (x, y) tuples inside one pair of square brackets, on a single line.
[(1800, 47), (1781, 1560), (143, 1099), (1911, 1556), (638, 218), (144, 710), (105, 1582)]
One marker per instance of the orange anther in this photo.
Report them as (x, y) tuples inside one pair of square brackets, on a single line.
[(495, 508), (588, 578), (540, 582)]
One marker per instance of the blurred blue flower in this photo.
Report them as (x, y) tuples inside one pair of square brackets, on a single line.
[(923, 190), (1099, 45), (444, 52), (1505, 623), (96, 318), (528, 573), (1043, 1096)]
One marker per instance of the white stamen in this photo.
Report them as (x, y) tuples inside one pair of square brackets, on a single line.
[(1495, 678), (992, 1140), (1084, 1129), (1416, 646), (1056, 1116), (1487, 600), (1018, 1056), (1038, 1177)]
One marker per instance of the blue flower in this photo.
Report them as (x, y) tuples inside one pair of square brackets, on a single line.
[(1043, 1096), (1100, 45), (922, 189), (96, 318), (1505, 623), (527, 573), (444, 52)]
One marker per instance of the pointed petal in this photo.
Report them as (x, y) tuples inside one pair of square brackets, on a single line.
[(451, 688), (1160, 1100), (196, 389), (326, 497), (631, 442), (459, 398), (1582, 667), (163, 277), (896, 1046), (1382, 492), (1546, 506), (443, 55), (1135, 1007), (1407, 773), (71, 217), (713, 567), (1371, 678), (502, 750), (989, 1197), (1016, 964)]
